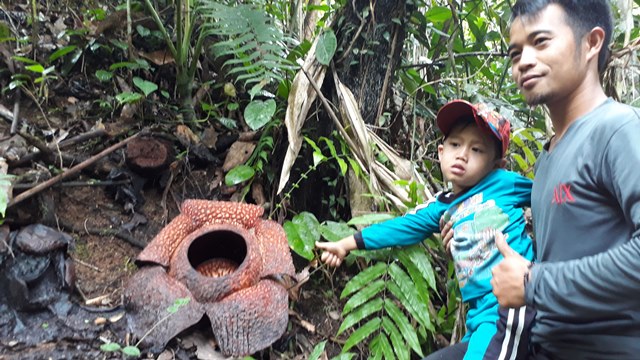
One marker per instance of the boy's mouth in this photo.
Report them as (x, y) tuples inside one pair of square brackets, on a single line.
[(457, 169)]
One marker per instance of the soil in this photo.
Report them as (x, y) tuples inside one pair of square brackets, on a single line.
[(104, 262), (110, 211)]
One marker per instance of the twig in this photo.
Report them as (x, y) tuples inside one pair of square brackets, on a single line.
[(88, 183), (72, 171), (87, 265), (16, 112)]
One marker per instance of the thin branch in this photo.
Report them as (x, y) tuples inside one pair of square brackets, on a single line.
[(72, 171), (456, 56)]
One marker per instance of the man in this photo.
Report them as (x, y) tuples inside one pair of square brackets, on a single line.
[(585, 284)]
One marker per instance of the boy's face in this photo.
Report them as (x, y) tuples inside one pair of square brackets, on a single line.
[(467, 155), (546, 64)]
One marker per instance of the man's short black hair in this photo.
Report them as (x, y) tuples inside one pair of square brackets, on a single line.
[(582, 17)]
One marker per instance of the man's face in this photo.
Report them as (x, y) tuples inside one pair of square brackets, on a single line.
[(546, 64), (467, 155)]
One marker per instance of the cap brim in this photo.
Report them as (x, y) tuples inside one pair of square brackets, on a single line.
[(451, 112)]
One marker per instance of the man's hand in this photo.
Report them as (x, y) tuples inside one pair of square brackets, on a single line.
[(508, 275), (446, 233)]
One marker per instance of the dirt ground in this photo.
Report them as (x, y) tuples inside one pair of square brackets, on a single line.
[(104, 263)]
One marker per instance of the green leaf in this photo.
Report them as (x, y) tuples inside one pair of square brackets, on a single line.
[(228, 122), (143, 31), (345, 356), (25, 60), (370, 219), (258, 113), (104, 75), (418, 255), (131, 351), (318, 350), (239, 174), (364, 278), (326, 48), (295, 241), (380, 345), (407, 294), (147, 87), (334, 231), (399, 346), (361, 313), (128, 97), (61, 52), (308, 229), (364, 295), (110, 347), (362, 333), (37, 68), (403, 324), (438, 14)]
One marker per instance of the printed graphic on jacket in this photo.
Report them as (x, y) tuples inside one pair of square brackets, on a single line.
[(473, 247)]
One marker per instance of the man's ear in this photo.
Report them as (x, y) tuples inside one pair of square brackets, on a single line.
[(594, 42), (500, 164), (440, 150)]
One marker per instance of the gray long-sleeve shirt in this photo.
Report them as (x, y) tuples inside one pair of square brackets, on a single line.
[(586, 213)]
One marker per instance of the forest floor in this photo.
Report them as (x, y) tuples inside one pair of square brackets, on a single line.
[(109, 211)]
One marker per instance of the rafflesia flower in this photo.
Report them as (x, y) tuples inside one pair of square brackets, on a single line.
[(223, 257)]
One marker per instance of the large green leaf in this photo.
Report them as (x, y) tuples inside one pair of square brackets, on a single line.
[(370, 219), (326, 48), (399, 346), (381, 345), (362, 333), (334, 231), (364, 295), (421, 260), (239, 174), (295, 241), (364, 278), (363, 312), (258, 113), (403, 289), (403, 324)]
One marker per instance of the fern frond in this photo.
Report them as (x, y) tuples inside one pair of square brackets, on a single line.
[(364, 278), (419, 282), (380, 345), (360, 314), (419, 256), (364, 295), (403, 289), (362, 333), (408, 332), (258, 46), (399, 346)]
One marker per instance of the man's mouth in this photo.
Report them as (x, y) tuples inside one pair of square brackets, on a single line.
[(528, 80)]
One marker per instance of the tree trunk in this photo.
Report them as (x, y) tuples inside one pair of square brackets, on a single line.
[(369, 48)]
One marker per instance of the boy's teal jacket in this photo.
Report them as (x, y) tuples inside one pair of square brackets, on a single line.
[(495, 203)]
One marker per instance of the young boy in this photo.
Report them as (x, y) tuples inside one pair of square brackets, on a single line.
[(484, 199)]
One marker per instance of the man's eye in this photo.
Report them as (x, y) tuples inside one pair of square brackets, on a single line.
[(540, 41), (514, 54)]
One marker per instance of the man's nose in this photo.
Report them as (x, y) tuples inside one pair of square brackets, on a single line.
[(527, 58)]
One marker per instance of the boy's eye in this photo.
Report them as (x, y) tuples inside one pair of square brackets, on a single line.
[(455, 144), (478, 150)]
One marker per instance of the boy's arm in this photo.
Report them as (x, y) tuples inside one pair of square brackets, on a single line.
[(409, 229)]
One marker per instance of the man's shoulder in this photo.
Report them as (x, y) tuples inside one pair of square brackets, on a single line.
[(614, 114)]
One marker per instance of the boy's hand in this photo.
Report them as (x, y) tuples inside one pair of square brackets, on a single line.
[(334, 252)]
